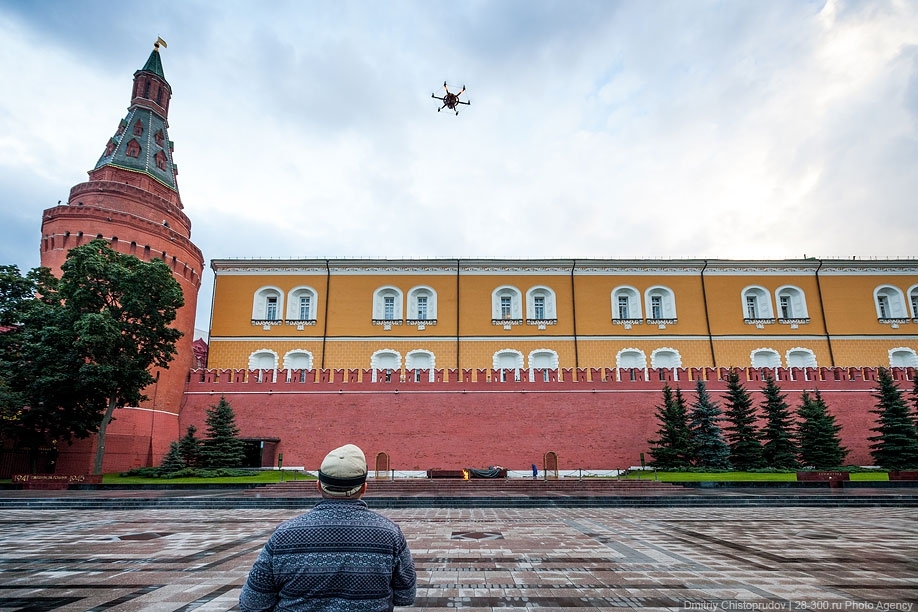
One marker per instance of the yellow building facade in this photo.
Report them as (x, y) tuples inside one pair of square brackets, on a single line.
[(430, 314)]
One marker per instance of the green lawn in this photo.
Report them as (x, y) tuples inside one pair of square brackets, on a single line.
[(260, 477), (740, 476)]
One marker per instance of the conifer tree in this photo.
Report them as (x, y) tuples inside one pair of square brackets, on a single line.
[(740, 427), (817, 434), (711, 451), (190, 447), (779, 448), (673, 448), (172, 462), (222, 447), (895, 447)]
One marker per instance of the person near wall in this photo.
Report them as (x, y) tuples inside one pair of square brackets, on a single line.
[(338, 556)]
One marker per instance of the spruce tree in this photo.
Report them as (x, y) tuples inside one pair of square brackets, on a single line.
[(711, 451), (817, 434), (779, 448), (172, 462), (190, 447), (222, 447), (895, 447), (740, 427), (673, 448)]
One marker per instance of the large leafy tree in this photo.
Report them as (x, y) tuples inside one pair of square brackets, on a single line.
[(779, 448), (817, 434), (740, 426), (895, 447), (673, 446), (711, 451), (87, 346), (222, 446)]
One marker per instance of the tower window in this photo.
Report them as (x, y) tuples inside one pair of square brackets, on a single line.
[(133, 148), (159, 138), (138, 128)]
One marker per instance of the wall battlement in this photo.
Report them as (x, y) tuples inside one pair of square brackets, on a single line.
[(325, 380)]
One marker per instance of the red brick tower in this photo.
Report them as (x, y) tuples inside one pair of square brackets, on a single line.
[(132, 200)]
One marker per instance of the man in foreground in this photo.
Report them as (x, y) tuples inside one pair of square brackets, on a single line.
[(338, 556)]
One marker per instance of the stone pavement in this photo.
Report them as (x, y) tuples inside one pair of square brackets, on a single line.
[(707, 559)]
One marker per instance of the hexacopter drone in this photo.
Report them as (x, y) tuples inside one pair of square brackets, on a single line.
[(450, 100)]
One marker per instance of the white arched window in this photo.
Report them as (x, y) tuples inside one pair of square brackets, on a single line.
[(420, 360), (388, 362), (506, 306), (660, 306), (509, 362), (665, 358), (540, 307), (264, 359), (301, 306), (889, 302), (298, 359), (913, 301), (626, 305), (268, 306), (765, 358), (903, 357), (542, 359), (800, 358), (387, 307), (757, 305), (630, 358), (791, 302), (422, 306)]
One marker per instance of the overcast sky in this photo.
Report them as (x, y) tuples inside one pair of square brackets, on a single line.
[(729, 129)]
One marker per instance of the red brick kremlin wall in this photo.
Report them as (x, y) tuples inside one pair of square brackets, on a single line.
[(588, 417)]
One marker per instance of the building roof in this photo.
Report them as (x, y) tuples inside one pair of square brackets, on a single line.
[(147, 129)]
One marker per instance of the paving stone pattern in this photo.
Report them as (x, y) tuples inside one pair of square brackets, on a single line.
[(706, 559)]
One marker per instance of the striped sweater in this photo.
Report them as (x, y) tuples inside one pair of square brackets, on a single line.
[(339, 556)]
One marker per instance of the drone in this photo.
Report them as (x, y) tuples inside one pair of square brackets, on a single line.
[(450, 100)]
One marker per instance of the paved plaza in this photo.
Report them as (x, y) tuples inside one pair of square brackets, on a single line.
[(793, 558)]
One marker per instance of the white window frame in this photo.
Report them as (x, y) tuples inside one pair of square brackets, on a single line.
[(634, 303), (763, 351), (797, 302), (895, 301), (253, 366), (548, 295), (260, 304), (667, 302), (293, 303), (797, 350), (903, 350), (764, 308), (534, 355), (517, 358), (422, 291), (516, 303), (290, 355), (410, 356), (376, 367), (665, 350), (379, 303), (630, 351)]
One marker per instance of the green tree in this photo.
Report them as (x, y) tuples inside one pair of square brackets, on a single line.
[(673, 447), (711, 451), (222, 446), (817, 434), (87, 346), (190, 447), (740, 429), (895, 447), (173, 461), (779, 448)]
